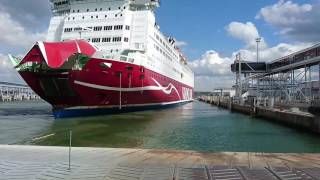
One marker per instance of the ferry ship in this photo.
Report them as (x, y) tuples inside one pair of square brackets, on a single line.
[(106, 56)]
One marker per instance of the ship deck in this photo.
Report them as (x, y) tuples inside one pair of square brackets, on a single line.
[(35, 162)]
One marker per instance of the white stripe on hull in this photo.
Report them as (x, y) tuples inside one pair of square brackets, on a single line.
[(166, 90)]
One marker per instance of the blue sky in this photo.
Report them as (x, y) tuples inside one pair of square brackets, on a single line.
[(213, 32), (202, 23)]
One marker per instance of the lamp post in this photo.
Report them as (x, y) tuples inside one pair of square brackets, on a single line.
[(258, 40)]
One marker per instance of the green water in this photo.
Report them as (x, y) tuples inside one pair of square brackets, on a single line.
[(196, 126)]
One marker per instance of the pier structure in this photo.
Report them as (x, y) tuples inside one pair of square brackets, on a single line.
[(292, 81), (16, 92), (285, 90)]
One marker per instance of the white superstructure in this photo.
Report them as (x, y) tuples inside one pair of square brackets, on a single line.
[(124, 30)]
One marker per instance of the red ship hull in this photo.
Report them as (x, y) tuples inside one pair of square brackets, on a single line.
[(106, 86)]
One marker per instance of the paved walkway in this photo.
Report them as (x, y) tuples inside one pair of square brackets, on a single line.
[(34, 162)]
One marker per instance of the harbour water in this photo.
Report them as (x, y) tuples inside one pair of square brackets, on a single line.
[(196, 126)]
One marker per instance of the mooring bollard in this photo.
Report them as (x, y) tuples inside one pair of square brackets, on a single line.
[(70, 145)]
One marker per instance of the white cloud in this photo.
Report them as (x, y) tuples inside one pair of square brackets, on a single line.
[(34, 15), (7, 71), (14, 34), (246, 32), (20, 28), (285, 13), (211, 64), (299, 22), (181, 43), (212, 71)]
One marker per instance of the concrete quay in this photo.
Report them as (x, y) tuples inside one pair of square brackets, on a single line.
[(299, 119), (35, 162)]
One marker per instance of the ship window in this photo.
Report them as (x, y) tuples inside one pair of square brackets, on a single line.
[(73, 18), (68, 18), (106, 39), (96, 39), (78, 29), (116, 15), (126, 39), (78, 10), (109, 9), (67, 29), (73, 11), (100, 9), (116, 39), (96, 16), (97, 28), (129, 68), (96, 9), (118, 27), (88, 10), (123, 58), (105, 16), (131, 60), (82, 17), (127, 27), (91, 17), (121, 15), (119, 7), (107, 28)]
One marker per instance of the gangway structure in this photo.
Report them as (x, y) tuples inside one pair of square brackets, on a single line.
[(292, 81), (16, 92)]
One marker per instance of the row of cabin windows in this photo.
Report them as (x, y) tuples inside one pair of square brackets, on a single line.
[(118, 27), (163, 42), (96, 9), (99, 28), (67, 29), (159, 49), (61, 3), (109, 39), (97, 16)]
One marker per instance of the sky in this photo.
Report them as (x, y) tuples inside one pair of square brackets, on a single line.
[(210, 32)]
